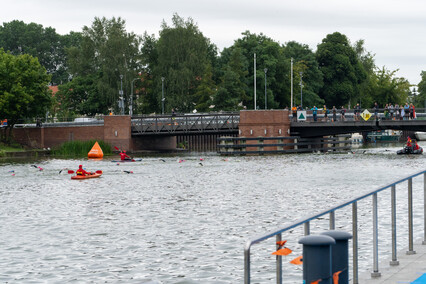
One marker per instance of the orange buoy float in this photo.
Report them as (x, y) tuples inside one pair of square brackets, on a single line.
[(96, 152)]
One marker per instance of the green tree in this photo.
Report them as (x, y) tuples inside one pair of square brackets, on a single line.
[(106, 52), (388, 88), (232, 91), (342, 71), (303, 61), (420, 100), (23, 90), (366, 94), (81, 96), (268, 55), (205, 91), (43, 43), (183, 54)]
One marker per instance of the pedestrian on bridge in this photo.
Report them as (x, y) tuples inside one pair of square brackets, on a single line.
[(342, 113), (314, 112), (376, 111), (334, 110)]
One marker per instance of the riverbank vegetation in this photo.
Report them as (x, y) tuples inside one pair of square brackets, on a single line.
[(181, 70), (79, 148)]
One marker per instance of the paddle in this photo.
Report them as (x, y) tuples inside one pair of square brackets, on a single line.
[(118, 149), (98, 172)]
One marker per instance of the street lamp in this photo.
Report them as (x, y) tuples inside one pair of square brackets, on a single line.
[(301, 88), (131, 98), (162, 95), (121, 96), (266, 100)]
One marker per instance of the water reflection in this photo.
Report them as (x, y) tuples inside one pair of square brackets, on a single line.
[(172, 222)]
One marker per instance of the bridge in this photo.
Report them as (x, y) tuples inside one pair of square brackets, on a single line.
[(228, 123), (198, 132)]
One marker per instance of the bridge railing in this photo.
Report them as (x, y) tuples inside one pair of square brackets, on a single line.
[(305, 222), (186, 123)]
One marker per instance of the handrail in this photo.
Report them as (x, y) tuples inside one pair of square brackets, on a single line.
[(353, 202)]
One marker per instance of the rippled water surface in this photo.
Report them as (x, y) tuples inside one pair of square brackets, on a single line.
[(171, 222)]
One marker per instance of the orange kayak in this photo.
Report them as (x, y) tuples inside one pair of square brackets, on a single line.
[(94, 175)]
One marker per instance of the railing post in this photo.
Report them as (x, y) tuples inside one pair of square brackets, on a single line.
[(247, 264), (279, 263), (355, 242), (394, 260), (410, 217), (307, 229), (332, 220), (375, 272), (424, 208)]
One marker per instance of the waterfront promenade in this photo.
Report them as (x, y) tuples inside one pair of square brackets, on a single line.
[(410, 268)]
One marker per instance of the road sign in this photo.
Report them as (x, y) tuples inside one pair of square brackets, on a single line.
[(366, 115), (301, 115)]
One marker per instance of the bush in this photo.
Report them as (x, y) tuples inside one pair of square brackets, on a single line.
[(80, 148)]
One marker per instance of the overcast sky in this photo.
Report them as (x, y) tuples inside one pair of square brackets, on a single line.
[(393, 30)]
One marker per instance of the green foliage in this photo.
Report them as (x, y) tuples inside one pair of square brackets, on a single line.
[(389, 89), (80, 148), (303, 61), (183, 54), (23, 89), (82, 96), (43, 43), (342, 71), (420, 99), (106, 52), (205, 91)]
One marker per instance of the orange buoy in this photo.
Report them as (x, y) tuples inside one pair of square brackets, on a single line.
[(96, 151)]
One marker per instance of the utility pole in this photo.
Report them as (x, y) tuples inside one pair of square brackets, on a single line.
[(291, 98), (301, 88), (266, 97), (254, 81)]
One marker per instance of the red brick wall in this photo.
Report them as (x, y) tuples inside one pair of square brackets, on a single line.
[(264, 123), (53, 136), (118, 132)]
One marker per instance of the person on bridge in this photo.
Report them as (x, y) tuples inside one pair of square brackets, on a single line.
[(124, 156), (334, 110), (314, 112), (376, 111), (294, 111), (81, 171), (342, 112)]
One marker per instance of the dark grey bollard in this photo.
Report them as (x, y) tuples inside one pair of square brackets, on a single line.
[(340, 254), (317, 258)]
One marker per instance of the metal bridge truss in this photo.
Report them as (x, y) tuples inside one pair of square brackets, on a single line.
[(186, 124)]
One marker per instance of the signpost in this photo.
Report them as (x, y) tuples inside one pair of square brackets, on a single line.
[(366, 115), (301, 115)]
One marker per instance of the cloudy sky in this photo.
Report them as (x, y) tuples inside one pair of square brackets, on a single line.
[(393, 30)]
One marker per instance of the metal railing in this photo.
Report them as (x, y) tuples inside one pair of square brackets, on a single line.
[(186, 123), (305, 222)]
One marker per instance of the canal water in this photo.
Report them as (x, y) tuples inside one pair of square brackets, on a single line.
[(179, 219)]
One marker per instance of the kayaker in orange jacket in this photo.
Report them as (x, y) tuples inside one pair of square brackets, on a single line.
[(81, 171)]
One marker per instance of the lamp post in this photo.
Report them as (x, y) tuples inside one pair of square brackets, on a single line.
[(162, 95), (254, 81), (121, 96), (266, 97), (131, 98), (291, 98), (301, 88)]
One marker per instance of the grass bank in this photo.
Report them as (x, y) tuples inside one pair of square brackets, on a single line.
[(79, 148), (10, 148)]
